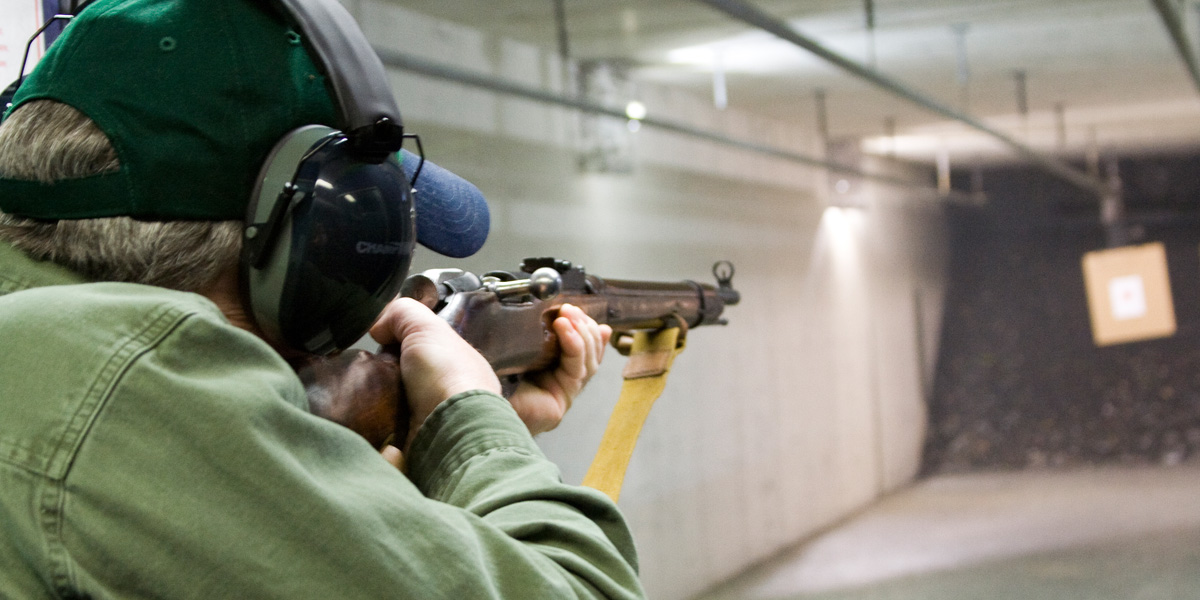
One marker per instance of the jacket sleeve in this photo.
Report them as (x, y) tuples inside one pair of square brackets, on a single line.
[(202, 475)]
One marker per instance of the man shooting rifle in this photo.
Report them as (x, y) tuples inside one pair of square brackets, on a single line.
[(183, 185)]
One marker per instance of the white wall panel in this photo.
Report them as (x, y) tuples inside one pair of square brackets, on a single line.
[(807, 406)]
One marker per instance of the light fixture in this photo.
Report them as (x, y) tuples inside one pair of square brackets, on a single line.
[(635, 110)]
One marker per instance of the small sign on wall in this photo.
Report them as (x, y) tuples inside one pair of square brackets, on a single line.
[(1129, 294)]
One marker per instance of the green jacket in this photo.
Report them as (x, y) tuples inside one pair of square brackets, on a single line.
[(149, 449)]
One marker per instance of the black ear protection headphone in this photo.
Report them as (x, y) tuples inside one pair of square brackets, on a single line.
[(330, 227)]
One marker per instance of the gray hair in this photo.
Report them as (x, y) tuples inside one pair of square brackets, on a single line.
[(48, 141)]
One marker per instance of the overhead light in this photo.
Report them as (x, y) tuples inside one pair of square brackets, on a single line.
[(635, 110), (904, 145), (753, 52)]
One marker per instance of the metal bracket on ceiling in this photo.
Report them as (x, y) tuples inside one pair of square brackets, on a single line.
[(753, 16)]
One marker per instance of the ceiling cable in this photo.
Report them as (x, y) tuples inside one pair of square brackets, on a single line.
[(1175, 26), (414, 64)]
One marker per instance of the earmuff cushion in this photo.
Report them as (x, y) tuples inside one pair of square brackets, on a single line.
[(341, 248)]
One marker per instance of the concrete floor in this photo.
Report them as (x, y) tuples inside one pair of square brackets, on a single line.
[(1097, 534)]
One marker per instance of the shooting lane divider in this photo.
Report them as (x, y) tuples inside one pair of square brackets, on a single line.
[(650, 359)]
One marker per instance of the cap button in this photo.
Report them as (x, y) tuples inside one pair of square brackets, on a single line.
[(167, 44)]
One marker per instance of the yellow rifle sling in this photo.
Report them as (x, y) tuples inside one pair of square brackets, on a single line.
[(645, 374)]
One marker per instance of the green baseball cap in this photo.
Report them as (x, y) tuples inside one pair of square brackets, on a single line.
[(193, 95)]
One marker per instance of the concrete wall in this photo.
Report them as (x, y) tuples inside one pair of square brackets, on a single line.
[(809, 405)]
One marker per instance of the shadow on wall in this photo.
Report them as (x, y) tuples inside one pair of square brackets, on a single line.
[(1019, 382)]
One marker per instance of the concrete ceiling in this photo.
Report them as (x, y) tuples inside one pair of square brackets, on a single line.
[(1102, 72)]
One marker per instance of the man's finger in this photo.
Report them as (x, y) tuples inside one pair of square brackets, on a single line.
[(400, 317), (573, 348), (393, 455)]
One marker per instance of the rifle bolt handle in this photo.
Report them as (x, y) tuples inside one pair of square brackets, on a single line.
[(543, 284)]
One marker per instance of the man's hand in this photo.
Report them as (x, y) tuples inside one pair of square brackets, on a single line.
[(435, 362), (542, 398)]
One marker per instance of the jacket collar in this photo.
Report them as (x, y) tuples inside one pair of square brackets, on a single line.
[(20, 272)]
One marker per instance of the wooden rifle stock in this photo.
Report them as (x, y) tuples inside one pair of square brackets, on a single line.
[(507, 316)]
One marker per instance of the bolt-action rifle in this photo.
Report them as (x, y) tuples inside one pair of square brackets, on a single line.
[(507, 316)]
